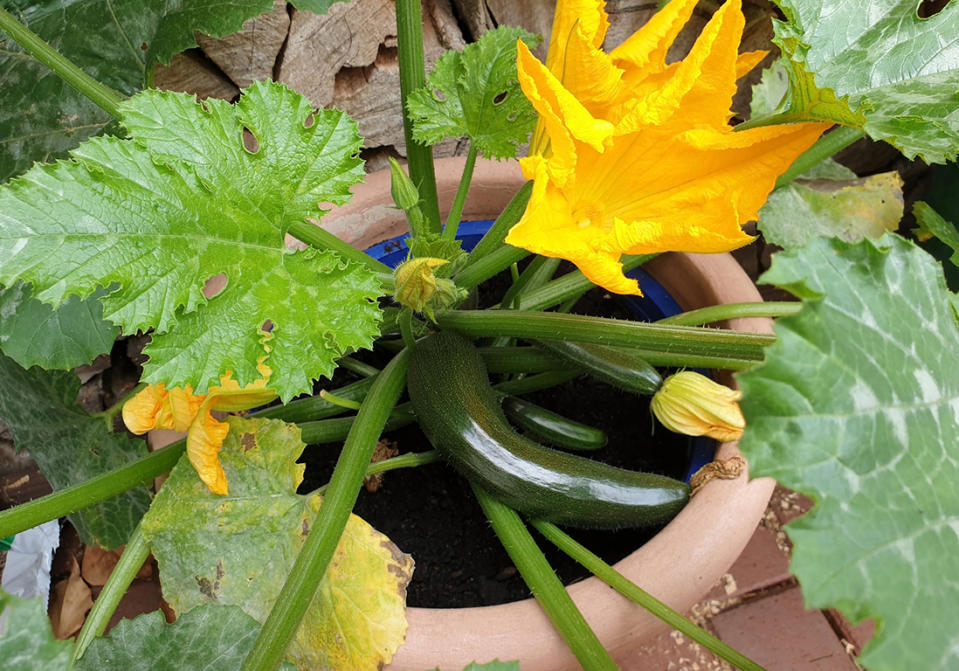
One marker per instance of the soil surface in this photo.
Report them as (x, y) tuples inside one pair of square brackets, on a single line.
[(430, 512)]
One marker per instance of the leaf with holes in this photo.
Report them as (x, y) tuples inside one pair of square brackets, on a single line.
[(155, 216), (70, 446), (898, 70), (475, 94), (857, 406), (209, 637), (34, 334), (27, 642), (212, 548)]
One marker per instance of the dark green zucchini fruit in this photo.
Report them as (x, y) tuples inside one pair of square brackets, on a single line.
[(461, 416), (617, 366), (551, 427)]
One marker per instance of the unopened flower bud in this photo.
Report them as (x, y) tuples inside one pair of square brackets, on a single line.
[(415, 282), (691, 403), (405, 194)]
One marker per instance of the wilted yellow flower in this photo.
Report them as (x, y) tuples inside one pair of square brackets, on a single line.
[(155, 407), (634, 156), (692, 404)]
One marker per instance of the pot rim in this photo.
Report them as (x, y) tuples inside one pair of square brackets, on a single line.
[(704, 539)]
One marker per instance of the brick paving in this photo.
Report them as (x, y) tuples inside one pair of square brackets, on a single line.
[(757, 608)]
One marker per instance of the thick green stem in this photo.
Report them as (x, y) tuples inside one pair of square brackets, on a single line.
[(310, 565), (673, 340), (546, 587), (358, 367), (630, 590), (718, 313), (569, 286), (134, 554), (101, 95), (320, 238), (77, 497), (459, 201), (493, 240), (409, 43), (408, 460), (491, 264), (825, 147)]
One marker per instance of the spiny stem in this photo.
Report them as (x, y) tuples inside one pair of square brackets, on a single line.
[(100, 94), (544, 584), (717, 313), (632, 591)]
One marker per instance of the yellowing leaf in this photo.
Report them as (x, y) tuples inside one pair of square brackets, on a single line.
[(239, 549)]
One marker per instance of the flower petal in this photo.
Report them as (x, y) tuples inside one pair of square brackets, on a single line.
[(645, 50), (178, 409), (562, 117), (203, 443), (140, 412)]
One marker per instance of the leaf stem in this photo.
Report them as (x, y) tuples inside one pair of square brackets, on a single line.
[(318, 237), (408, 460), (357, 366), (136, 552), (311, 562), (674, 341), (100, 94), (459, 201), (632, 591), (569, 286), (491, 264), (826, 146), (409, 44), (80, 496), (545, 585), (717, 313), (493, 240)]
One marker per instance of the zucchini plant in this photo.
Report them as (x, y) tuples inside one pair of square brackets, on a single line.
[(628, 155)]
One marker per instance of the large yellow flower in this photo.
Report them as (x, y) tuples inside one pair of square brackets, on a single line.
[(155, 407), (634, 156)]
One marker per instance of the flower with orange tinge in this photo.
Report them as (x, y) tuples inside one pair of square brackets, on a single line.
[(632, 155), (692, 404), (155, 407)]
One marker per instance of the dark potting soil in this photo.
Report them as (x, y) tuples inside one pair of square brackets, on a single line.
[(430, 512)]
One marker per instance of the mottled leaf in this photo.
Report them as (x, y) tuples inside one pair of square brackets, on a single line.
[(34, 334), (70, 446), (155, 216), (931, 225), (857, 406), (239, 550), (898, 70), (846, 208), (475, 93), (26, 638), (209, 637), (117, 43)]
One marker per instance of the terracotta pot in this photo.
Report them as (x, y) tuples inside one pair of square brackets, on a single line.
[(678, 565)]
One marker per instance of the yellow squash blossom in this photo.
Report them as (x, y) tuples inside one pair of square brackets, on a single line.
[(155, 407), (692, 404), (634, 156)]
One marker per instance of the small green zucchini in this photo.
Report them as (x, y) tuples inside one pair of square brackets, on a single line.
[(461, 416), (551, 427), (617, 366)]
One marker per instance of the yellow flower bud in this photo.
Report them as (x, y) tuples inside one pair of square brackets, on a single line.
[(693, 404), (415, 282)]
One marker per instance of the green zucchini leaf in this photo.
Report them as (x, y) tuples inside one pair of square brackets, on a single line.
[(897, 70), (34, 334), (40, 408), (475, 93), (209, 637), (857, 406), (239, 549), (183, 200), (930, 224), (27, 642)]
